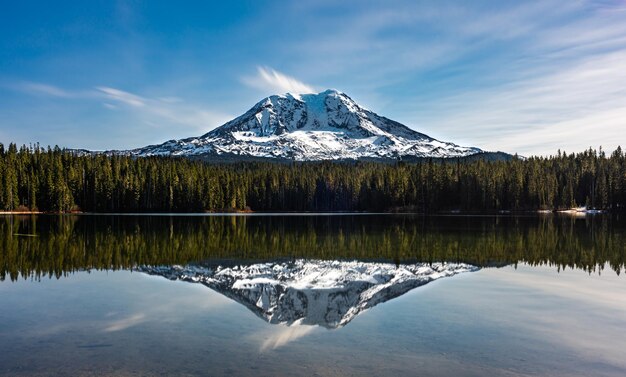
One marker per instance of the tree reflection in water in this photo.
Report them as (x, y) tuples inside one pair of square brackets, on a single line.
[(55, 245)]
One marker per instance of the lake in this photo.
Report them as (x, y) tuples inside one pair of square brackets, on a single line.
[(312, 295)]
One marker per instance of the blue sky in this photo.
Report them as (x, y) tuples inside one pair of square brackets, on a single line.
[(519, 76)]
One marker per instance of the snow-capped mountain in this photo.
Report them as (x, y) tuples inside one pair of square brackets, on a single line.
[(311, 292), (324, 126)]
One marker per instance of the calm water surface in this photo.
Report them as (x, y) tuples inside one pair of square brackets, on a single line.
[(549, 297)]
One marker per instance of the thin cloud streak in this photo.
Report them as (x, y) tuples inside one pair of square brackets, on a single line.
[(122, 96), (581, 106), (166, 113), (168, 109), (47, 90), (270, 80)]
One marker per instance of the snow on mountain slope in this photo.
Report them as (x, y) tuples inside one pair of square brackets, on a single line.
[(311, 292), (324, 126)]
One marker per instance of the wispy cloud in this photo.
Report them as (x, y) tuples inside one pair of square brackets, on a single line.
[(581, 104), (170, 114), (270, 80), (164, 112), (41, 89), (122, 96)]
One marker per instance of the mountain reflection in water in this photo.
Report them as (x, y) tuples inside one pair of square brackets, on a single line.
[(51, 245), (311, 292)]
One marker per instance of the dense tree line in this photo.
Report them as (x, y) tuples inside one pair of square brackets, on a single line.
[(58, 180), (51, 245)]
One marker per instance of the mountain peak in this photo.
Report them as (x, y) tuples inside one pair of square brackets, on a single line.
[(302, 96), (325, 126), (331, 92)]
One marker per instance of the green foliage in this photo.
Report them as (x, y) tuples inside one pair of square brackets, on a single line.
[(60, 181)]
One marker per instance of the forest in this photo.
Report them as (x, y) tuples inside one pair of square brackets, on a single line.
[(57, 180)]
